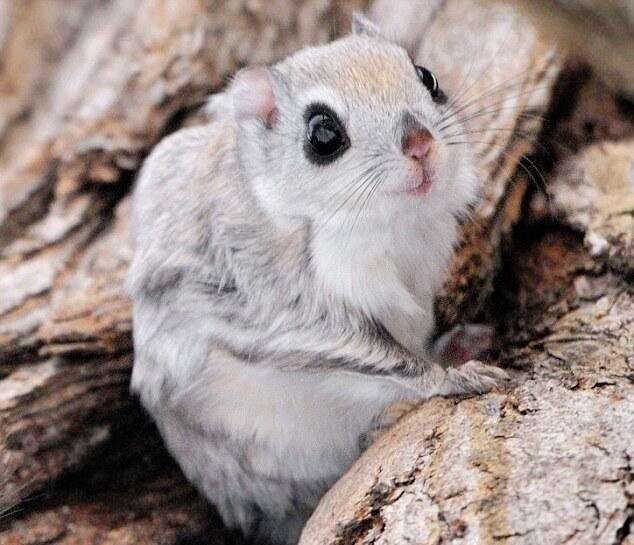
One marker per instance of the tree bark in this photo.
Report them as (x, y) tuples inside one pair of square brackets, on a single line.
[(87, 92)]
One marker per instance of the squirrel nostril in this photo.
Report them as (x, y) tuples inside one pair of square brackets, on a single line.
[(417, 144)]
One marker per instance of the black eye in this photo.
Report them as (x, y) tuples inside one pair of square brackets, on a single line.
[(429, 80), (326, 139)]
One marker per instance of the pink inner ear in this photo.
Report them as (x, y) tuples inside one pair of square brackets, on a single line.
[(253, 97)]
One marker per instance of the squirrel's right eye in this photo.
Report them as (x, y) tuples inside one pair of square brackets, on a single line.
[(326, 139), (428, 79)]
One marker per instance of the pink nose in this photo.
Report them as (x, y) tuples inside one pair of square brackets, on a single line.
[(417, 144)]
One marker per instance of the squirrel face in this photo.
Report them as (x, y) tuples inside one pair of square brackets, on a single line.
[(349, 131)]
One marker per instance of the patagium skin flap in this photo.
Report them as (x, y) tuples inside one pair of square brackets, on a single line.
[(286, 261)]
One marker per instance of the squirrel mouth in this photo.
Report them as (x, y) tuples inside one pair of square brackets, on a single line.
[(423, 187)]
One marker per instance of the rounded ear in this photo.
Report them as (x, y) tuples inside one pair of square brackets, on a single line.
[(252, 94), (361, 25)]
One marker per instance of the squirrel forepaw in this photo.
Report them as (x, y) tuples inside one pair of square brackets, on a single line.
[(474, 377)]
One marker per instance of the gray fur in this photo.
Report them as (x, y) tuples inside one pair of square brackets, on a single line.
[(266, 345)]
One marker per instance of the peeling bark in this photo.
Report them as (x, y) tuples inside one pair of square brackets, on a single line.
[(121, 498), (593, 193)]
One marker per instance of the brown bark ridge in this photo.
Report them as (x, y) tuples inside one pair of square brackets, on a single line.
[(120, 498)]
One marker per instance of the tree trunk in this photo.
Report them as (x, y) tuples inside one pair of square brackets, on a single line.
[(88, 91)]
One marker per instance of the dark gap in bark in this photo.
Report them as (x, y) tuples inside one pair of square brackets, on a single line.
[(130, 475), (34, 208), (624, 531), (539, 263), (533, 239)]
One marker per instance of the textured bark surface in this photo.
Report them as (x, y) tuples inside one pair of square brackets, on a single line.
[(120, 498), (86, 92)]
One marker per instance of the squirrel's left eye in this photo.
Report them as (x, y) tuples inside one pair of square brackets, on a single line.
[(326, 138), (428, 79)]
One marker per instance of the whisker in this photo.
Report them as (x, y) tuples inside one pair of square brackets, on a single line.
[(530, 137), (493, 90), (376, 181), (360, 198), (462, 92), (352, 189), (481, 113), (542, 187), (492, 60), (485, 106)]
